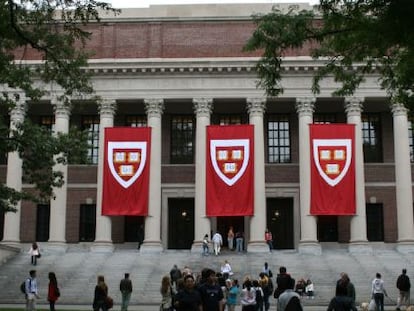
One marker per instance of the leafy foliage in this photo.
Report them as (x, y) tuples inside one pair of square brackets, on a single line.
[(54, 32), (375, 35)]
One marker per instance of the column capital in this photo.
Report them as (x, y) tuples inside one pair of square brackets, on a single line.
[(305, 105), (18, 111), (256, 105), (107, 107), (154, 107), (353, 106), (203, 106), (398, 109), (61, 109)]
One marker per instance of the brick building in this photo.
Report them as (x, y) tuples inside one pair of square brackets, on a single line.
[(180, 68)]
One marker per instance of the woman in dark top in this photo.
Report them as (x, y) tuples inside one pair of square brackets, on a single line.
[(341, 302), (101, 292), (189, 298)]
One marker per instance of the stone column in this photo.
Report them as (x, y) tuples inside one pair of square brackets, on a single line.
[(358, 242), (152, 241), (103, 238), (257, 243), (308, 224), (11, 233), (203, 108), (403, 182), (57, 230)]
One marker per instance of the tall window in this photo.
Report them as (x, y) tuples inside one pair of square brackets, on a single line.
[(47, 122), (324, 118), (182, 139), (371, 137), (278, 139), (411, 136), (136, 121), (91, 124)]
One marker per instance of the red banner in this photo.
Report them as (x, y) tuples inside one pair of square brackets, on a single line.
[(230, 170), (126, 171), (332, 169)]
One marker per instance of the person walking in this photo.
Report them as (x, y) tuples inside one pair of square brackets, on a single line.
[(239, 241), (188, 299), (289, 299), (206, 250), (378, 291), (100, 295), (404, 286), (34, 253), (269, 239), (53, 292), (217, 242), (341, 301), (212, 296), (31, 290), (125, 286)]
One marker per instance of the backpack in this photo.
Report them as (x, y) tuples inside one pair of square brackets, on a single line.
[(259, 297), (23, 286)]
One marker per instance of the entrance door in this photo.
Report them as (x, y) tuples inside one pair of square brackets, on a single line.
[(280, 222), (42, 222), (132, 226), (328, 228), (375, 222), (224, 223), (180, 223)]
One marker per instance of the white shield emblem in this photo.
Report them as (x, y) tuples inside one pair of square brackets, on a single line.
[(332, 158), (229, 158), (126, 161)]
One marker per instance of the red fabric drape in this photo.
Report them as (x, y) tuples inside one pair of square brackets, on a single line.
[(332, 169), (126, 171), (230, 170)]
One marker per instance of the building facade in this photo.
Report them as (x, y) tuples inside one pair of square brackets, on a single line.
[(179, 69)]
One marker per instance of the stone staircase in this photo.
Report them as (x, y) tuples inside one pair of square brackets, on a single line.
[(78, 267)]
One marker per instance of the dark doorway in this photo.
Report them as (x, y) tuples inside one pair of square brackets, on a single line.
[(132, 225), (42, 222), (224, 223), (1, 224), (328, 228), (180, 223), (375, 222), (87, 223), (280, 222)]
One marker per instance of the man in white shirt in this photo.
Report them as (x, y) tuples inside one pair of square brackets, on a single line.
[(217, 242), (31, 291)]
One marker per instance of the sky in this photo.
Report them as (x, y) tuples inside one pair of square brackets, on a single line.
[(146, 3)]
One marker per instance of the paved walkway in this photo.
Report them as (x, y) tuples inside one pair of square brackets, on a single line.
[(78, 267)]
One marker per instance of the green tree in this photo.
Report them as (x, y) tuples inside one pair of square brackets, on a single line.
[(355, 37), (56, 32)]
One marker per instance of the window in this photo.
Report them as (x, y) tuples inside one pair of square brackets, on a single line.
[(47, 122), (91, 124), (182, 139), (136, 121), (87, 222), (230, 119), (42, 222), (371, 137), (411, 136), (324, 118), (278, 139)]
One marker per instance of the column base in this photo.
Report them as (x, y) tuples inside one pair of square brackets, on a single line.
[(197, 247), (360, 247), (151, 247), (102, 247), (12, 244), (257, 247), (310, 247), (56, 246), (405, 246)]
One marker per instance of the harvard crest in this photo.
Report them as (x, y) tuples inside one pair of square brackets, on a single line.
[(126, 160), (332, 158), (229, 158)]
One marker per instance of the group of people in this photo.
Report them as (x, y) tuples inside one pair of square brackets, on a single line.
[(31, 291)]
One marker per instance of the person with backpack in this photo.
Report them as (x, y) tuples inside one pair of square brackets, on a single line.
[(53, 292), (289, 300), (259, 295), (404, 286), (31, 291)]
